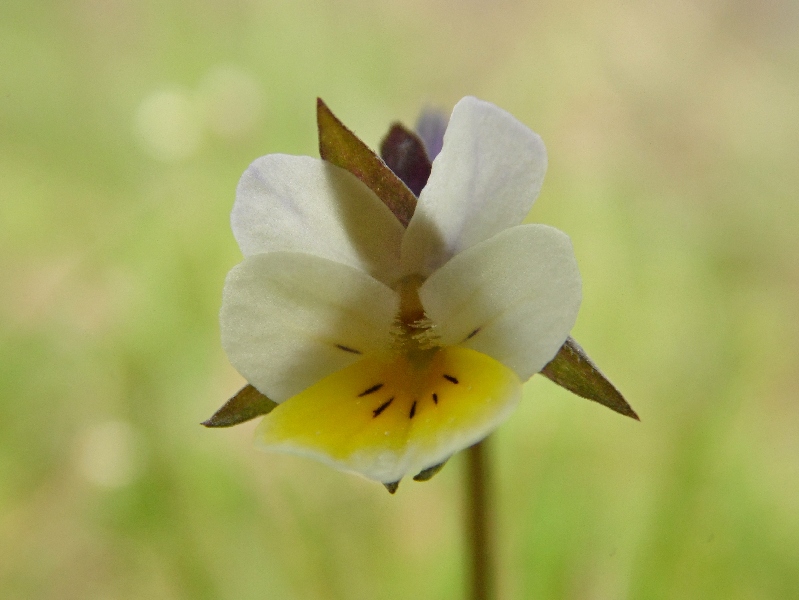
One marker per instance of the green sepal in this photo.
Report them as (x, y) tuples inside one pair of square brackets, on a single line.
[(392, 487), (339, 146), (429, 472), (247, 404), (573, 370)]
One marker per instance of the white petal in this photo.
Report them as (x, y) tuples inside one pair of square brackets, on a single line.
[(303, 204), (513, 297), (289, 319), (486, 178)]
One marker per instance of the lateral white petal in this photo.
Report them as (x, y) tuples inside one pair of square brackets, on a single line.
[(513, 297), (303, 204), (486, 178), (289, 319)]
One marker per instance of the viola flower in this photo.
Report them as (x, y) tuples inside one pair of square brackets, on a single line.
[(390, 348)]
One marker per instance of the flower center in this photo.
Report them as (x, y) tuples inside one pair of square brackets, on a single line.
[(411, 311), (414, 332)]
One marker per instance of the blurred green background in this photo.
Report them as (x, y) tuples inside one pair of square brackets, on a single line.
[(673, 137)]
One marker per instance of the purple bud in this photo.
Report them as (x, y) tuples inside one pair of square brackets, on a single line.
[(430, 126)]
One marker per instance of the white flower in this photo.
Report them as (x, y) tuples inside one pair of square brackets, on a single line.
[(390, 349)]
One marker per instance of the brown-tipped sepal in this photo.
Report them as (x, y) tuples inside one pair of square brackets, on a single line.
[(392, 487), (429, 472), (247, 404), (573, 370), (339, 146)]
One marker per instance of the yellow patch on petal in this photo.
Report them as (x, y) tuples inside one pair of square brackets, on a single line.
[(385, 417)]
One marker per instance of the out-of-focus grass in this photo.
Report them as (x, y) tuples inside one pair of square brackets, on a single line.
[(672, 135)]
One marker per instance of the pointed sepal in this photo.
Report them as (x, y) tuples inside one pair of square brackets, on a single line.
[(339, 146), (404, 153), (429, 472), (247, 404), (392, 487), (573, 370)]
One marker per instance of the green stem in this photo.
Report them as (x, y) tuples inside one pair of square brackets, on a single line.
[(479, 523)]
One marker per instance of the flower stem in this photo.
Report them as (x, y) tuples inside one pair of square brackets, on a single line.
[(479, 523)]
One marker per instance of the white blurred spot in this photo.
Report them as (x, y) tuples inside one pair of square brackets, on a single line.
[(232, 101), (167, 123), (109, 454)]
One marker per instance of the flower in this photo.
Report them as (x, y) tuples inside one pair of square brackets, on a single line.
[(389, 349)]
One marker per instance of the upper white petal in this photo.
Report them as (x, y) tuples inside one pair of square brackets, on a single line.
[(517, 295), (486, 178), (304, 204), (289, 319)]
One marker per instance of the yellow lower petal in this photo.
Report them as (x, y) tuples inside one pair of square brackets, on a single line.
[(385, 417)]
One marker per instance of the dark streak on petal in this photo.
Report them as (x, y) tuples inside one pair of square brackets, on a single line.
[(435, 398), (413, 410), (450, 378), (376, 412), (370, 390), (472, 334), (347, 349)]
